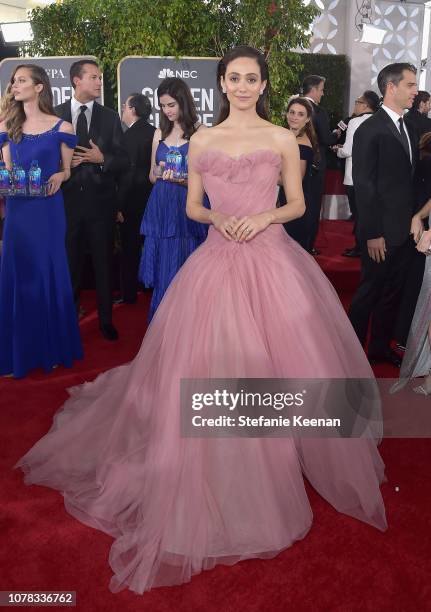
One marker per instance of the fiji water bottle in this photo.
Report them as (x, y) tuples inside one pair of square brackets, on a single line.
[(19, 181), (170, 159), (5, 182), (186, 167), (178, 164), (35, 179)]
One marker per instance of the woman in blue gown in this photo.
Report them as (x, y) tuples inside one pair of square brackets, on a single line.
[(38, 321), (170, 236), (298, 116)]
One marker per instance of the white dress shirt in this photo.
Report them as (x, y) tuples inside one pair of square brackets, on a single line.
[(395, 118), (346, 149), (75, 107)]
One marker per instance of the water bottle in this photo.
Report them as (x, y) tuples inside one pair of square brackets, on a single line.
[(186, 167), (177, 164), (35, 179), (170, 159), (5, 180), (19, 181)]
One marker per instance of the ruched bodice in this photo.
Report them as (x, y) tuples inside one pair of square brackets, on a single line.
[(244, 185)]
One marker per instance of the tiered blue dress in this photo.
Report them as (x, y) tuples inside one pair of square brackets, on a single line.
[(170, 236), (38, 321)]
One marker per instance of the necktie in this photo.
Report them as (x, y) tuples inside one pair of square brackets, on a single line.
[(404, 137), (82, 127)]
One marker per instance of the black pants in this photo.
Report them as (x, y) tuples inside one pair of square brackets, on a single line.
[(131, 249), (88, 227), (354, 211), (378, 297), (314, 206)]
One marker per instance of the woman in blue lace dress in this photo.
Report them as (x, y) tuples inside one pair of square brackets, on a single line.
[(170, 236), (38, 321)]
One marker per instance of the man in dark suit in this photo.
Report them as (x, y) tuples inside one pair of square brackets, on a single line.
[(313, 88), (384, 152), (90, 196), (135, 188), (417, 117)]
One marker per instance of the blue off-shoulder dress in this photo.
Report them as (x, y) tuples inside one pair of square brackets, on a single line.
[(170, 236), (38, 320)]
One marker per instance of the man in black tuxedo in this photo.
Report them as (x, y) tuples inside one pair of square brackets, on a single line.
[(417, 117), (90, 196), (135, 188), (313, 88), (384, 152)]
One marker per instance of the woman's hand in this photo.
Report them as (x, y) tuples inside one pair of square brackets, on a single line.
[(55, 181), (224, 224), (416, 228), (424, 243), (248, 227)]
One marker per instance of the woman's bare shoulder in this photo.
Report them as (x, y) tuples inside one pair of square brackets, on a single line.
[(304, 140), (3, 127), (67, 127)]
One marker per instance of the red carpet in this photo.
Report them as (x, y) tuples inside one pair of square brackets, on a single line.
[(341, 566)]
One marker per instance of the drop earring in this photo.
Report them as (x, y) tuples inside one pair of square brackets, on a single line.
[(223, 90)]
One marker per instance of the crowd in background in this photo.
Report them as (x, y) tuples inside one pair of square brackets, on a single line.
[(121, 177)]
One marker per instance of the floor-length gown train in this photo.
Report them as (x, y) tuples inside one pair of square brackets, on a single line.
[(175, 505)]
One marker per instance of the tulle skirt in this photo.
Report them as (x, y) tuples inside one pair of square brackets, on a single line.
[(177, 505)]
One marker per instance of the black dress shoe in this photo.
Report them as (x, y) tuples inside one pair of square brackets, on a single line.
[(351, 253), (314, 252), (390, 357), (108, 331)]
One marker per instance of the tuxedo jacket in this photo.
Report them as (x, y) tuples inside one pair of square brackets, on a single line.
[(323, 131), (383, 179), (418, 122), (135, 185), (98, 182)]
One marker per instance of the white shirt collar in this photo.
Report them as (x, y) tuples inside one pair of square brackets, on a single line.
[(76, 105), (393, 115), (311, 99)]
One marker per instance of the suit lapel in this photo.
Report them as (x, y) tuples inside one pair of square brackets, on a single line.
[(391, 125), (96, 120), (64, 111)]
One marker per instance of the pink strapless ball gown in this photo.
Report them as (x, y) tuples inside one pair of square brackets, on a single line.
[(174, 505)]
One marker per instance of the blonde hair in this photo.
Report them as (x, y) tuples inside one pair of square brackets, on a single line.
[(5, 102), (15, 115)]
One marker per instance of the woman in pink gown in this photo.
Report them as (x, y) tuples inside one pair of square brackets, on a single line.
[(248, 303)]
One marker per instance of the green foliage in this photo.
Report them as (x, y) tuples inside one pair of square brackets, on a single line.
[(336, 70), (112, 29)]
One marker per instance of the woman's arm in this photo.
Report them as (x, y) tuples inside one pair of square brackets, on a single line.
[(424, 211), (66, 151), (417, 227), (156, 138), (5, 148)]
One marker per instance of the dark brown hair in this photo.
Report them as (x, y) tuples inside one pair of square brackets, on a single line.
[(188, 118), (141, 104), (423, 96), (310, 81), (308, 127), (15, 115), (425, 145), (77, 69), (235, 53), (392, 73)]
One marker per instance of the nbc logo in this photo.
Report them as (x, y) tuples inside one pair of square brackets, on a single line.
[(166, 72)]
